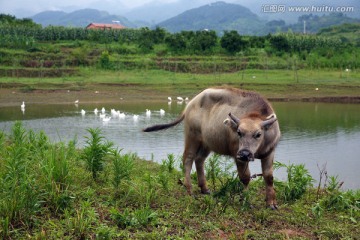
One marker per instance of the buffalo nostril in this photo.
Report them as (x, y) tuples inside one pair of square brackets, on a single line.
[(244, 155)]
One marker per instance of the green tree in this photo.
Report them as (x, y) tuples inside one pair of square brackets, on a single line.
[(9, 20), (279, 43), (204, 40), (158, 35), (233, 42), (176, 42), (146, 41)]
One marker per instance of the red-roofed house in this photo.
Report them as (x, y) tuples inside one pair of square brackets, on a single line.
[(104, 26)]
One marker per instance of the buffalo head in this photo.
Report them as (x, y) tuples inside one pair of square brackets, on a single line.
[(250, 132)]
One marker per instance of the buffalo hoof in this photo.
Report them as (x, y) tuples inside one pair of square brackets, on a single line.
[(273, 207), (206, 192)]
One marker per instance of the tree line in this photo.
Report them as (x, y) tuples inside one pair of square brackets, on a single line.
[(25, 34)]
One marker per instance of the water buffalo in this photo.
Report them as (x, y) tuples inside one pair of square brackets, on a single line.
[(230, 122)]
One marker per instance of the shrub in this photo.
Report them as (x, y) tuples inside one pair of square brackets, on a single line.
[(105, 62)]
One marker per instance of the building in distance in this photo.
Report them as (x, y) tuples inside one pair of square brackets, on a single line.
[(105, 26)]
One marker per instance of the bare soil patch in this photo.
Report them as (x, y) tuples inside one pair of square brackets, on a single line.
[(12, 94)]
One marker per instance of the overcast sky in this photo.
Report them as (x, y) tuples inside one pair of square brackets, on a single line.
[(31, 7), (28, 8)]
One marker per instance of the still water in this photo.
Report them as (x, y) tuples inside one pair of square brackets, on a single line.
[(312, 133)]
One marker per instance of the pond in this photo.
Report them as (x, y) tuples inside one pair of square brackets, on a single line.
[(313, 134)]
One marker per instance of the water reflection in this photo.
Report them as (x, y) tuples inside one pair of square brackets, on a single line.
[(312, 133)]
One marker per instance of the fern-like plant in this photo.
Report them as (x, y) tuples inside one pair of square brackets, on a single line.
[(95, 151)]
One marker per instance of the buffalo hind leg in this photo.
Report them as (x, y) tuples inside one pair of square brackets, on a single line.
[(201, 155), (190, 153), (267, 169), (188, 160)]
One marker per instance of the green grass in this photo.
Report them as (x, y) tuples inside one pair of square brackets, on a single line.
[(162, 77), (79, 63), (271, 83), (57, 198)]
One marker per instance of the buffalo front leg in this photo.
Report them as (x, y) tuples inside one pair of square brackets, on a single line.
[(243, 172), (199, 163), (267, 169), (244, 175)]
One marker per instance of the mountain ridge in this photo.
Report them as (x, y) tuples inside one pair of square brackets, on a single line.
[(79, 18), (219, 16)]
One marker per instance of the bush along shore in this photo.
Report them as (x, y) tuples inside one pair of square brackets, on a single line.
[(56, 191)]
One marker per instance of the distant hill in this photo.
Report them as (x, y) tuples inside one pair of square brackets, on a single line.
[(312, 23), (79, 18), (290, 17), (149, 12), (346, 32), (218, 16)]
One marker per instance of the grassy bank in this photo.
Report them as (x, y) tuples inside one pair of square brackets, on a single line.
[(153, 64), (158, 84), (55, 191)]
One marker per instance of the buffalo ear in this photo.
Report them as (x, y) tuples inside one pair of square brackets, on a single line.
[(269, 121), (230, 123)]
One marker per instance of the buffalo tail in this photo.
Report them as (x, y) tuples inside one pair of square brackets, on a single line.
[(159, 127)]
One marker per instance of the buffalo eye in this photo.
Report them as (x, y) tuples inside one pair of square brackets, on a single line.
[(240, 133), (257, 135)]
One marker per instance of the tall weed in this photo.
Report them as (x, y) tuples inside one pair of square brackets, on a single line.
[(95, 151), (19, 193), (122, 166), (163, 179), (57, 176), (298, 181), (169, 163), (2, 141), (230, 191), (213, 169), (38, 142), (18, 134), (335, 200)]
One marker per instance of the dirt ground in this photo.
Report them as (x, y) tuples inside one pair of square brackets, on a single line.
[(14, 97)]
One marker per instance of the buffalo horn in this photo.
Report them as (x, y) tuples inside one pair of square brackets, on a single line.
[(270, 120), (235, 119)]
